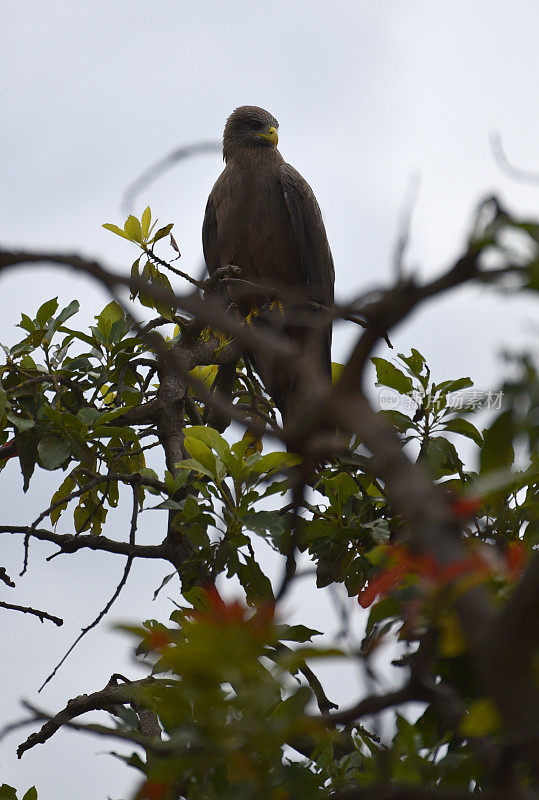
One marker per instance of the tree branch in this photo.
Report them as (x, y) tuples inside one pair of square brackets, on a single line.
[(43, 615)]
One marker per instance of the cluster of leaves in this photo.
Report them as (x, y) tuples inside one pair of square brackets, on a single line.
[(439, 410), (232, 692), (227, 702), (496, 504), (237, 723), (62, 409), (419, 754), (141, 233), (66, 410), (351, 520), (226, 482), (348, 529), (9, 793)]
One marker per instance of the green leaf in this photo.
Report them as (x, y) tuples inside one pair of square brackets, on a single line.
[(385, 609), (399, 420), (196, 466), (446, 387), (32, 341), (296, 633), (174, 483), (162, 232), (110, 314), (273, 462), (264, 522), (533, 272), (257, 585), (7, 792), (442, 457), (79, 335), (63, 491), (387, 374), (26, 323), (161, 281), (497, 451), (21, 423), (53, 451), (464, 428), (318, 529), (210, 437), (46, 311), (31, 794), (336, 371), (27, 452), (133, 229), (415, 362), (451, 641), (146, 219), (342, 487), (198, 597), (115, 229), (64, 419), (66, 313), (168, 505), (482, 719), (91, 415), (107, 431), (202, 454)]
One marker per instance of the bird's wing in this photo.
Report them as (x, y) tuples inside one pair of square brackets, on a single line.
[(316, 258), (209, 237)]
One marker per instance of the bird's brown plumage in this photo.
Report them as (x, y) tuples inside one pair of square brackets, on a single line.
[(263, 216)]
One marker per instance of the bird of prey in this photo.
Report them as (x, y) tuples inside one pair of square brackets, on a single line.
[(263, 217)]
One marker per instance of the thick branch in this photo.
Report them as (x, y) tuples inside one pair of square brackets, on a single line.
[(69, 543), (372, 705), (103, 700)]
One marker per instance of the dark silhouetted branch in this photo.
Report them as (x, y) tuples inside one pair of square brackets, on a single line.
[(43, 615)]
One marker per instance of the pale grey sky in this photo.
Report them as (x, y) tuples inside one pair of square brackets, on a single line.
[(366, 94)]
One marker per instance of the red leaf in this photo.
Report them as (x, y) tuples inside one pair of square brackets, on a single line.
[(383, 582), (515, 556), (465, 507), (153, 791), (157, 640)]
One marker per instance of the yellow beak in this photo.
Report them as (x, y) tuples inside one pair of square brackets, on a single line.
[(271, 135)]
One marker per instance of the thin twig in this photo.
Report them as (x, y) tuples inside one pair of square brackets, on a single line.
[(117, 591), (161, 166), (405, 224), (511, 170)]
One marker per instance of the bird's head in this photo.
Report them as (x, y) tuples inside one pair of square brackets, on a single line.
[(249, 127)]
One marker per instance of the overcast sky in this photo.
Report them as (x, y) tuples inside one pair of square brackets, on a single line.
[(367, 94)]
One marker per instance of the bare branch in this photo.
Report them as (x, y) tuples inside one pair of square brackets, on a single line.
[(43, 615), (106, 699), (162, 166), (4, 577), (373, 704), (70, 543)]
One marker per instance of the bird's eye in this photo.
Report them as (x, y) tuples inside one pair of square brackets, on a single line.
[(255, 125)]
